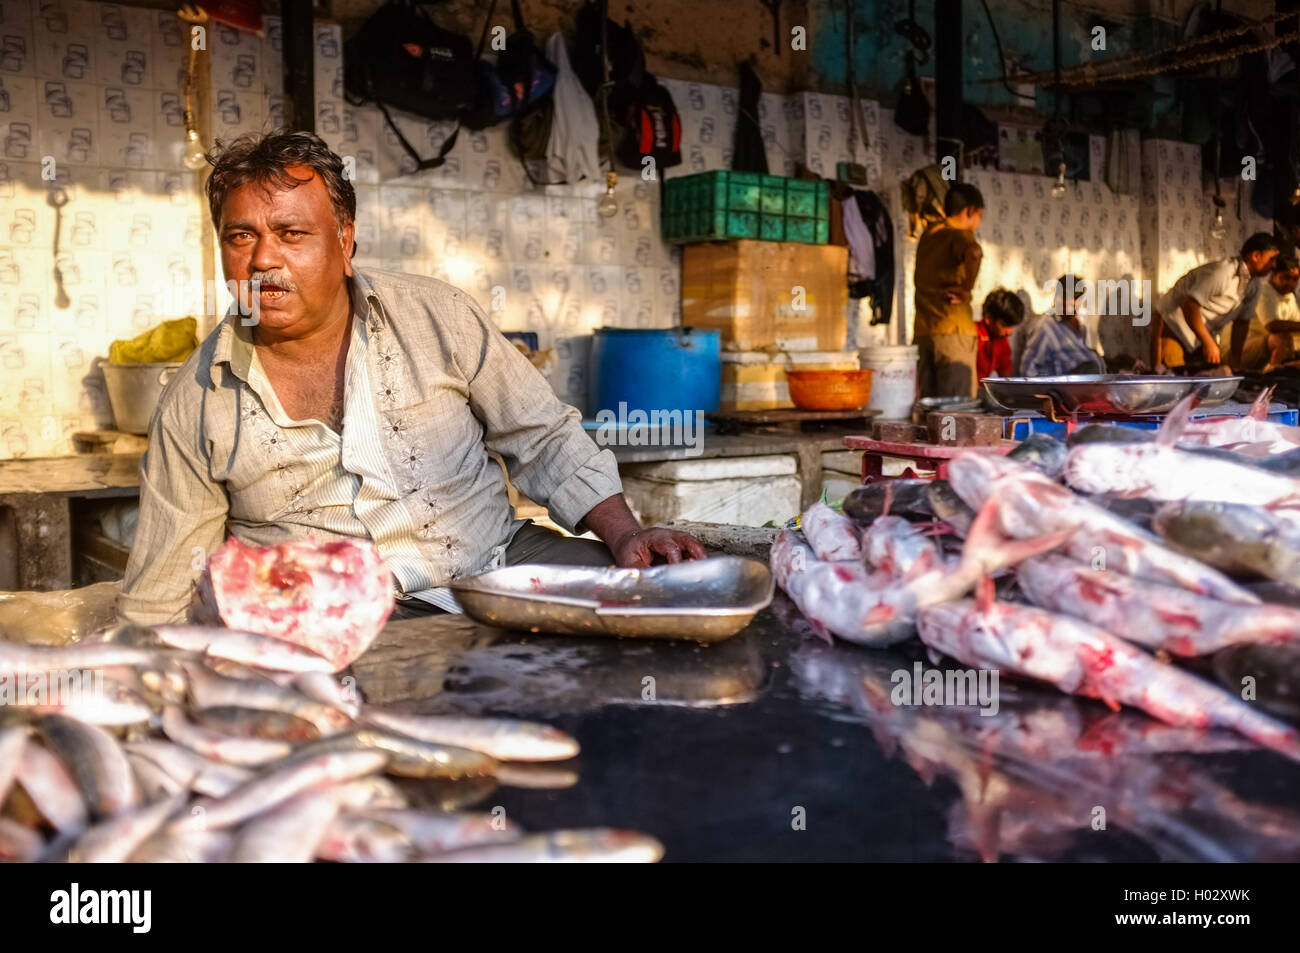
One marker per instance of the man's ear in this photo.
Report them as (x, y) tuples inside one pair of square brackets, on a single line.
[(348, 240)]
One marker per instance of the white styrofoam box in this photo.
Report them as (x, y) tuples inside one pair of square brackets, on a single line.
[(745, 491), (718, 468)]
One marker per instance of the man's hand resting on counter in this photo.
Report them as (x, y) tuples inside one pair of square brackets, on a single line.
[(634, 547)]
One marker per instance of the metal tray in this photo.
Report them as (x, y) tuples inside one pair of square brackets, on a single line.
[(703, 600), (1107, 393)]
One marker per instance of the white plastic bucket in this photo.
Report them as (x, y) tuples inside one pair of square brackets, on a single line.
[(893, 381)]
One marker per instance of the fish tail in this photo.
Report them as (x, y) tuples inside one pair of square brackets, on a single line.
[(987, 550), (1259, 409), (1268, 732)]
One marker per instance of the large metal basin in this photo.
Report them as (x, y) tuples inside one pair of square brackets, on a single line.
[(1107, 393), (704, 600)]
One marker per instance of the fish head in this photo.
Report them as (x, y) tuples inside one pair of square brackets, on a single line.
[(1042, 451)]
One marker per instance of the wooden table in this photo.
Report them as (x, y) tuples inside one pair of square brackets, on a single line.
[(36, 501)]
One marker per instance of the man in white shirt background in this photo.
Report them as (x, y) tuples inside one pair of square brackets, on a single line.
[(1186, 321), (1270, 337)]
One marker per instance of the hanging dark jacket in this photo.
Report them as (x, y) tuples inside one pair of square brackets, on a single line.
[(748, 154)]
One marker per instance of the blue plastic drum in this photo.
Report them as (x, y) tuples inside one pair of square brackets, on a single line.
[(648, 370)]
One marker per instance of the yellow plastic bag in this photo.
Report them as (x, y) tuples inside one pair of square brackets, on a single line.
[(168, 342)]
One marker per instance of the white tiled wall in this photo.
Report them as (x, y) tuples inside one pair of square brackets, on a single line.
[(104, 100), (90, 104)]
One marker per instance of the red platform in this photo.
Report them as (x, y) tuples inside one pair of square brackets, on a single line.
[(927, 455)]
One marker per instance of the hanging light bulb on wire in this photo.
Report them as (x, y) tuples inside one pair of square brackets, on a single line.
[(1217, 229), (194, 156), (1058, 187), (607, 207)]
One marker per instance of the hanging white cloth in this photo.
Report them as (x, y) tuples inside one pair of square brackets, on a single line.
[(573, 151), (862, 249)]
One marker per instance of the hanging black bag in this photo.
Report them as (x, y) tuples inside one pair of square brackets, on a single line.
[(401, 58)]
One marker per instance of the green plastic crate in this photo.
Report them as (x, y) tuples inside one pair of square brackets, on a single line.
[(719, 205)]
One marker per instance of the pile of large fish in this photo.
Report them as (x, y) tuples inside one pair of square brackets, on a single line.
[(1100, 604), (191, 743)]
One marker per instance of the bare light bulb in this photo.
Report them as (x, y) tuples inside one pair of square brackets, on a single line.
[(1058, 187), (607, 207), (1217, 231), (194, 157)]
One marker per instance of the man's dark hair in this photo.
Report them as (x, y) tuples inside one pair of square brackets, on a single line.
[(1063, 285), (1285, 263), (1260, 241), (960, 197), (265, 159), (1004, 307)]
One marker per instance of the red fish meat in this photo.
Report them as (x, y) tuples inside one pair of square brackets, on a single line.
[(331, 598)]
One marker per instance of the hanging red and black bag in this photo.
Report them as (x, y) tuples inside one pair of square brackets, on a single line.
[(651, 127)]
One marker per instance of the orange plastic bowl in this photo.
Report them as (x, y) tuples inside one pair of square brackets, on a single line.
[(829, 390)]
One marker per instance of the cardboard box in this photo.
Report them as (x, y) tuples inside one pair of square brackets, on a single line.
[(755, 380), (767, 295)]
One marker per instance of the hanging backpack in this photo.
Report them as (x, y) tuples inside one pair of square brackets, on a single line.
[(401, 58), (651, 127), (520, 79)]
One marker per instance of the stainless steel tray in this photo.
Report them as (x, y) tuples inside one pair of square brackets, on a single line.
[(1107, 393), (703, 600)]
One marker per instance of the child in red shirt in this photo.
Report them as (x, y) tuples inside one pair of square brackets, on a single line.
[(1002, 312)]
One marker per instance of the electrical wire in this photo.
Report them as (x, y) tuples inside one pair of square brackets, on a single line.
[(1089, 72), (1002, 60)]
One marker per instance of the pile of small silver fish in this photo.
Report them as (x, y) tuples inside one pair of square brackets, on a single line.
[(1101, 604), (206, 744)]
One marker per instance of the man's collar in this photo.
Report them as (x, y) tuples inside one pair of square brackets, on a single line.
[(235, 338)]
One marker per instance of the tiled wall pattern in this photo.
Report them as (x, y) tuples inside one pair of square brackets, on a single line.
[(1030, 238), (90, 108), (1177, 214), (106, 104)]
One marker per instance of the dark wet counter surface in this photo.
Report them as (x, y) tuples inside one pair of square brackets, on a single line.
[(775, 746)]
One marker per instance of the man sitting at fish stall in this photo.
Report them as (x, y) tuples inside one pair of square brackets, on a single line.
[(358, 403), (1056, 342), (1002, 313), (1187, 320), (1270, 337)]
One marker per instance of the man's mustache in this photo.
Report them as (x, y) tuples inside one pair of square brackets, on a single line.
[(277, 278)]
